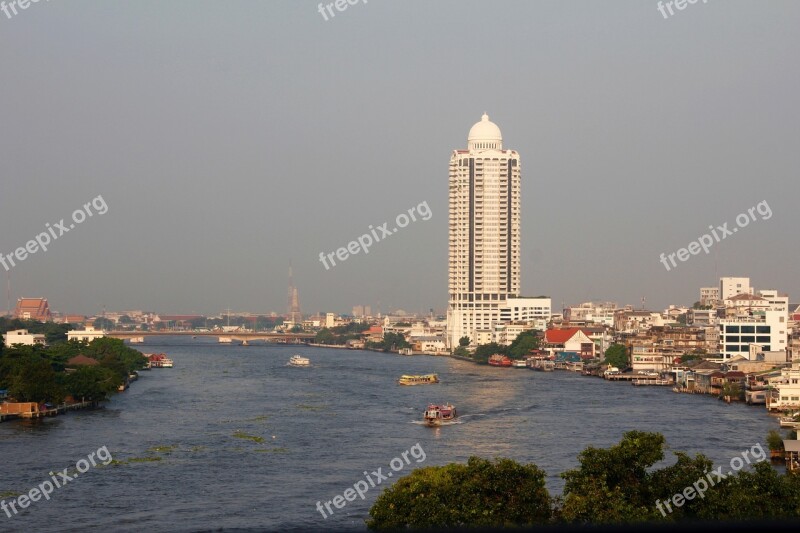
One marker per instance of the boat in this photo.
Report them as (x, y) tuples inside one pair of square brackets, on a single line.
[(418, 380), (297, 360), (519, 363), (788, 422), (166, 363), (499, 360), (245, 343), (436, 415), (137, 340), (406, 351)]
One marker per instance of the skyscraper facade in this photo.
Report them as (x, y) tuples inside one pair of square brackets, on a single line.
[(484, 233)]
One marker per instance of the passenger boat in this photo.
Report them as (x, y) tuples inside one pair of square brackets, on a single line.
[(435, 415), (519, 363), (159, 360), (418, 380), (788, 422), (298, 360), (499, 360)]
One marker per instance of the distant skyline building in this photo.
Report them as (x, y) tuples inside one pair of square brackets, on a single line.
[(33, 309), (484, 232), (293, 307)]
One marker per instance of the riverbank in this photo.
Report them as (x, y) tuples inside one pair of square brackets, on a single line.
[(42, 413)]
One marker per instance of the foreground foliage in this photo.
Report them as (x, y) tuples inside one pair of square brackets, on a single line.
[(616, 485), (480, 493)]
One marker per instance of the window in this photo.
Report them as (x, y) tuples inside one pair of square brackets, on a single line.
[(748, 329), (762, 329), (731, 329)]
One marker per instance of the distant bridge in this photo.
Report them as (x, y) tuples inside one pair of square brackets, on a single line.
[(289, 338)]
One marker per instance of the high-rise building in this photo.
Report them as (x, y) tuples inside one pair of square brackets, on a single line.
[(484, 258)]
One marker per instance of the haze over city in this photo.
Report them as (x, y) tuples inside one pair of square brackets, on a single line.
[(232, 139)]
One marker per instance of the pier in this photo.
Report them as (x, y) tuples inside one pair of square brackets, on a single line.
[(58, 410)]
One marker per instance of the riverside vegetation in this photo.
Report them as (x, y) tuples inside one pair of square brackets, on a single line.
[(617, 485), (38, 373)]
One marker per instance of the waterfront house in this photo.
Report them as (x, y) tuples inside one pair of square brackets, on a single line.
[(785, 394), (792, 454), (569, 340), (21, 336), (429, 344), (702, 380), (89, 334), (650, 357)]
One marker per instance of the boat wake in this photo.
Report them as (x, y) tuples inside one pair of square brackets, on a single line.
[(443, 423)]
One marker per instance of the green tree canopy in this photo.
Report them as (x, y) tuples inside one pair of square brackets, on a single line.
[(464, 341), (481, 493), (484, 351), (617, 355), (92, 383), (524, 343)]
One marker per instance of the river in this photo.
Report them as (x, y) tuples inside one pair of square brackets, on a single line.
[(233, 438)]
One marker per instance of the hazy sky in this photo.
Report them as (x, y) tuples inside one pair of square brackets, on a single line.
[(230, 138)]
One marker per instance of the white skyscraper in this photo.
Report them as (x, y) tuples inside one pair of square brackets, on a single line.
[(484, 259)]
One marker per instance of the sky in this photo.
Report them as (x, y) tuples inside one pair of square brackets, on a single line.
[(231, 139)]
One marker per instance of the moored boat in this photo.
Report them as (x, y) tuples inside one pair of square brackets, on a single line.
[(418, 380), (298, 360), (436, 415), (519, 363), (499, 360)]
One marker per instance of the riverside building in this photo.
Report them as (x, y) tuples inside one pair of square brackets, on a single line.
[(484, 238)]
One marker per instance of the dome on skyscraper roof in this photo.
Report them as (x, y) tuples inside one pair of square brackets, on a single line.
[(485, 134)]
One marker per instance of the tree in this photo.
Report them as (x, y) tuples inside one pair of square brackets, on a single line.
[(464, 341), (92, 383), (610, 485), (774, 441), (482, 493), (617, 356), (524, 343), (36, 382), (296, 329), (393, 341), (484, 351), (461, 351), (324, 336)]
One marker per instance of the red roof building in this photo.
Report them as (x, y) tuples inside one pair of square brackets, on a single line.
[(82, 360), (569, 340), (33, 309)]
